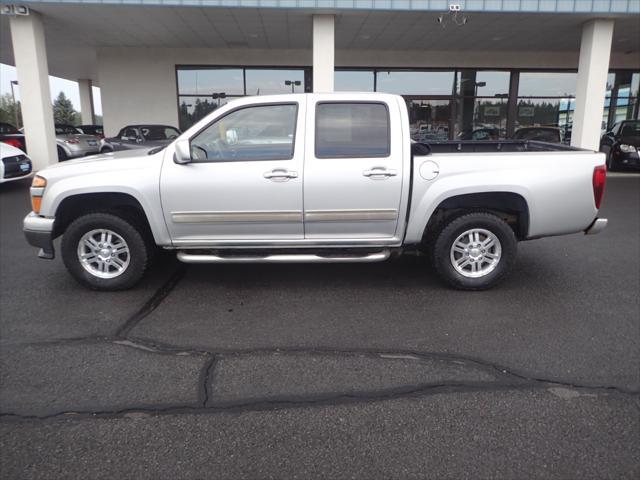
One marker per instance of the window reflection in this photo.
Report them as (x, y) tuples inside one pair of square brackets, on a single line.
[(192, 109), (482, 83), (353, 81), (272, 82), (211, 80), (415, 83), (547, 84)]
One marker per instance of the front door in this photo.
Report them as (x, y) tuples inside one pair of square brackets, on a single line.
[(353, 169), (244, 184)]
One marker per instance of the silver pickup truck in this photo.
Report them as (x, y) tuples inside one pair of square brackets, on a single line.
[(313, 178)]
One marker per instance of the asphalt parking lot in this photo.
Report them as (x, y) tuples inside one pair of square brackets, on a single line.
[(326, 371)]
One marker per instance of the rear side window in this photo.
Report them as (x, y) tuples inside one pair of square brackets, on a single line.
[(351, 130)]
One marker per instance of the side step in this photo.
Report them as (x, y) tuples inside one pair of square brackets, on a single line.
[(186, 257)]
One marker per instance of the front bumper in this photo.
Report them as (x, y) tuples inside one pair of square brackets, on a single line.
[(39, 232), (598, 225)]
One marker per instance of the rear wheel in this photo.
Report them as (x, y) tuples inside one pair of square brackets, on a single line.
[(474, 251), (611, 164), (103, 251)]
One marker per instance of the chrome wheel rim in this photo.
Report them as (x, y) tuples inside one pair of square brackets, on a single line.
[(103, 253), (476, 253)]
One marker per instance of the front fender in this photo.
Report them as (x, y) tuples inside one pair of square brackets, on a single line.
[(146, 193)]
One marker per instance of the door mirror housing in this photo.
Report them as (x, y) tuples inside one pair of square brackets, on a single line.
[(182, 156)]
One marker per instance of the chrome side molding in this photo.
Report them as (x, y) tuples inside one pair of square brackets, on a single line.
[(186, 257)]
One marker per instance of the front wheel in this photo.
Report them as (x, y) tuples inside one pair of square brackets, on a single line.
[(474, 251), (103, 251)]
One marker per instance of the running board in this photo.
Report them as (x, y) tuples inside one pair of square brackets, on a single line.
[(186, 257)]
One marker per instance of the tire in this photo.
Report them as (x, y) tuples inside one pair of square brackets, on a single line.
[(125, 254), (62, 155), (481, 266), (106, 150), (611, 165)]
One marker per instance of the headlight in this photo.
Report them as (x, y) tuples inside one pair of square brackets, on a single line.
[(37, 191), (627, 148)]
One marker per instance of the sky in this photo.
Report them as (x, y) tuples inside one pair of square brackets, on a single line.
[(57, 85)]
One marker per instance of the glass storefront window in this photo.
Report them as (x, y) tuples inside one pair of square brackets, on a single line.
[(353, 81), (429, 119), (547, 84), (546, 112), (192, 109), (481, 119), (261, 81), (415, 83), (211, 80), (482, 83)]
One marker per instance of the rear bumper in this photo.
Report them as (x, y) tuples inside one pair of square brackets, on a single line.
[(598, 225), (39, 233)]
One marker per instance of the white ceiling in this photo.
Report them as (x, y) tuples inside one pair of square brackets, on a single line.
[(74, 31)]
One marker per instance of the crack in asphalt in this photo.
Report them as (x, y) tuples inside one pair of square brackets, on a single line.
[(153, 302), (513, 380), (286, 402)]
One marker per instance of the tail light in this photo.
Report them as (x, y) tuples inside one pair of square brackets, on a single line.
[(72, 140), (599, 180), (14, 142)]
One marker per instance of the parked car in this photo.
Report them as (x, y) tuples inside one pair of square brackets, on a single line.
[(96, 130), (621, 145), (15, 164), (540, 134), (313, 178), (72, 143), (12, 136), (485, 133), (140, 136)]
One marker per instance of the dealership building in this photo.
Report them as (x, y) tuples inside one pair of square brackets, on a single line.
[(461, 65)]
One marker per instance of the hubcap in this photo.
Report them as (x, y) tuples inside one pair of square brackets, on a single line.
[(475, 253), (103, 253)]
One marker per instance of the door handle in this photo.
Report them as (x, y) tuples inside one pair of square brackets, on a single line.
[(280, 174), (380, 172)]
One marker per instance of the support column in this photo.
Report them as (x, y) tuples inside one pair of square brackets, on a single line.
[(323, 52), (29, 51), (595, 50), (86, 102)]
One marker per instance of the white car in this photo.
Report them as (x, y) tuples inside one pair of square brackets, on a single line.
[(15, 163)]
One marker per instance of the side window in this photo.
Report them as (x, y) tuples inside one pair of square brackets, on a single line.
[(130, 133), (348, 130), (260, 132)]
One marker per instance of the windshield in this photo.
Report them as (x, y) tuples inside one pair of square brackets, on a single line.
[(6, 128), (66, 130), (630, 129), (159, 132)]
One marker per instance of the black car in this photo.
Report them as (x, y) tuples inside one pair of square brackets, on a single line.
[(621, 145), (10, 135), (540, 134), (140, 136), (96, 130)]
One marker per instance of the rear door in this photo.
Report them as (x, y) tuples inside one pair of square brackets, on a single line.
[(353, 169)]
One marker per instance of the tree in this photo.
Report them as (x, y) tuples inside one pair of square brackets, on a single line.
[(63, 111), (8, 110)]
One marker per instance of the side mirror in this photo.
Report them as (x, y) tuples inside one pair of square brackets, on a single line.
[(183, 152)]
